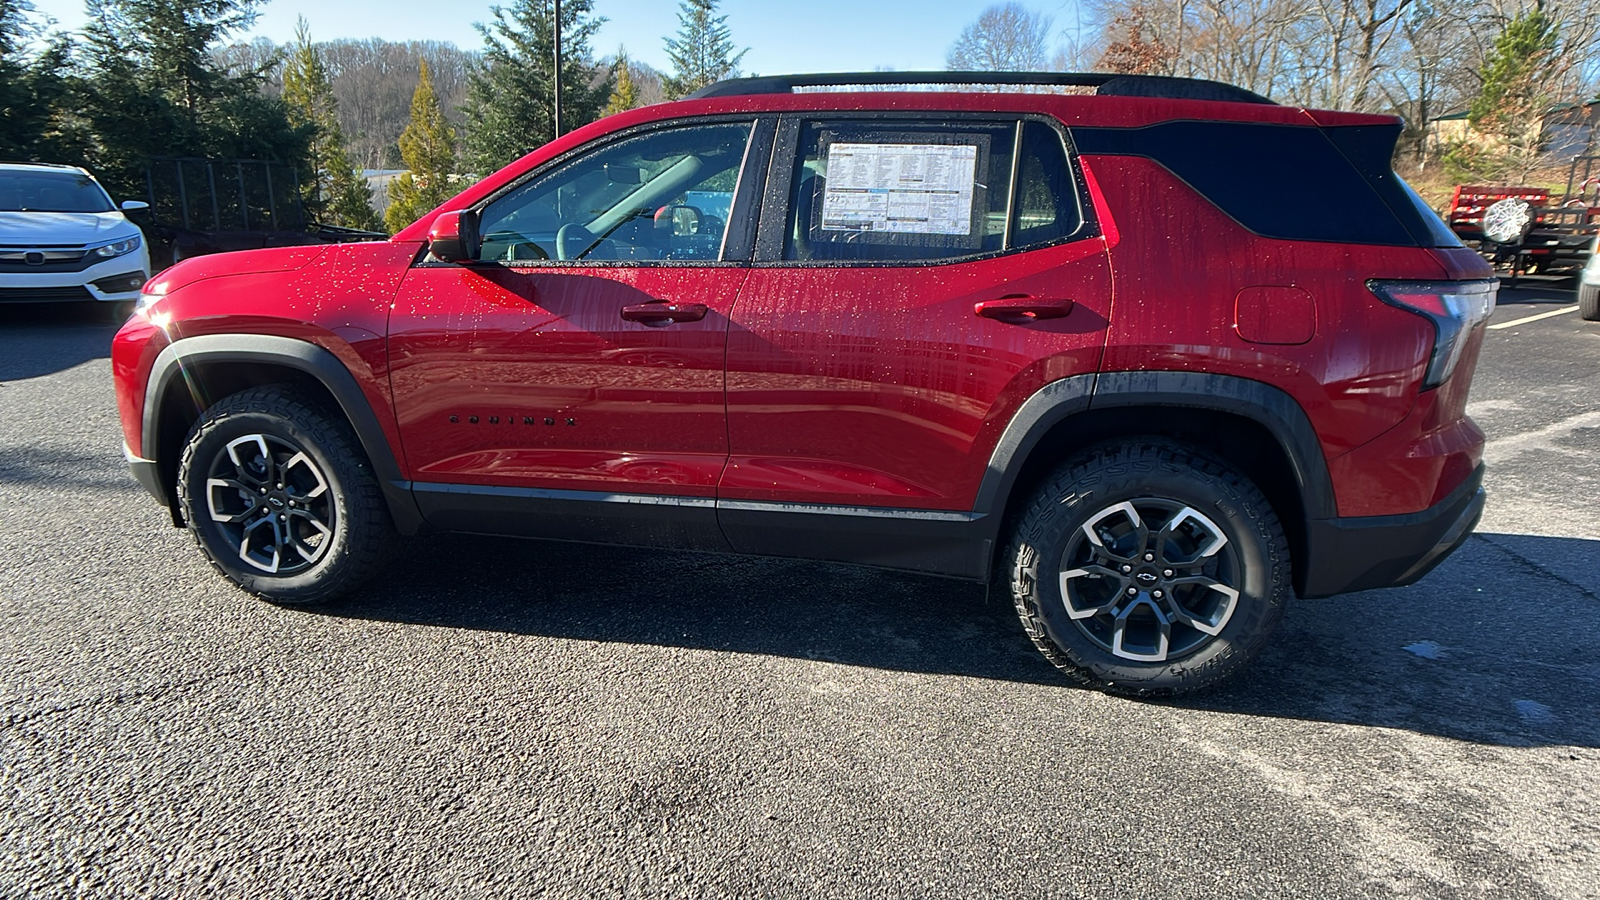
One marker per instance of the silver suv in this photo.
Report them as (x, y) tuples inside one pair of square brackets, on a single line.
[(62, 239)]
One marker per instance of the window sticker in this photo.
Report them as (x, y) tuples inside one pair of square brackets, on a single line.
[(900, 188)]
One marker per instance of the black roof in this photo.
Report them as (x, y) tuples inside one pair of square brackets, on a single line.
[(1105, 84)]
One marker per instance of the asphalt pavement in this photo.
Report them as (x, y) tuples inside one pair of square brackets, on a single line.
[(499, 718)]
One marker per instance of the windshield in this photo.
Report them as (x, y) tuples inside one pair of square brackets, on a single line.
[(51, 192)]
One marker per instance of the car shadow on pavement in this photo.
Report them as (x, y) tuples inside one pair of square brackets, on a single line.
[(60, 470), (1494, 647), (1465, 654), (58, 337)]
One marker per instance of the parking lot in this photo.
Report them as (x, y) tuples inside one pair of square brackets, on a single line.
[(505, 718)]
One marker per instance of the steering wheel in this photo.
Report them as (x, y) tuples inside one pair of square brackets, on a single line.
[(573, 241)]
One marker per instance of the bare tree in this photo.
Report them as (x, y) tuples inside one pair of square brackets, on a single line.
[(373, 81), (260, 58), (1417, 58), (1007, 37), (1249, 43), (1138, 51)]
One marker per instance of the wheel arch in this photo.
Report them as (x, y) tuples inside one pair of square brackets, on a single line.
[(1257, 428), (191, 374)]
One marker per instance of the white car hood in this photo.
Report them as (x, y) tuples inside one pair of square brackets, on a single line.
[(21, 229)]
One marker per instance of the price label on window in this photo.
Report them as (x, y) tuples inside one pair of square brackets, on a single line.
[(900, 188)]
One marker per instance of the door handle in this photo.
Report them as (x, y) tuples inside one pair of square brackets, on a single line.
[(660, 312), (1023, 308)]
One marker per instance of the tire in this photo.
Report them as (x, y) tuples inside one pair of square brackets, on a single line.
[(1221, 578), (334, 528), (1589, 301)]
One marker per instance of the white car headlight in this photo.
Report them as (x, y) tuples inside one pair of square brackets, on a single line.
[(117, 248)]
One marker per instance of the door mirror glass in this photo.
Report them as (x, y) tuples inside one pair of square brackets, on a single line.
[(660, 196), (679, 221)]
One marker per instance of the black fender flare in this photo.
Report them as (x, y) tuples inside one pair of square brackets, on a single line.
[(1036, 416), (1271, 407), (302, 356)]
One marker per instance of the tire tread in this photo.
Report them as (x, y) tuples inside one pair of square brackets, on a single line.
[(1081, 475), (1589, 301), (368, 533)]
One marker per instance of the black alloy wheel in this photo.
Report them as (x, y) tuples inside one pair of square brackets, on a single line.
[(271, 502), (1149, 580)]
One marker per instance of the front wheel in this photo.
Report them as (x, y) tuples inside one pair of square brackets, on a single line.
[(1148, 568), (280, 497), (1589, 301)]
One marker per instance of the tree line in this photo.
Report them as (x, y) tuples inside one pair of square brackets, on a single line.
[(147, 79), (160, 78), (1504, 63)]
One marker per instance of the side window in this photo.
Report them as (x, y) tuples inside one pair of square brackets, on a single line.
[(902, 191), (665, 195), (1047, 196)]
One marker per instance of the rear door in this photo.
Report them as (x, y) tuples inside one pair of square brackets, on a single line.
[(915, 280)]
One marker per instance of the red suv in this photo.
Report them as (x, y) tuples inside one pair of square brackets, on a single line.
[(1085, 342)]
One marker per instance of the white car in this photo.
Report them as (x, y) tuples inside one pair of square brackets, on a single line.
[(1589, 285), (62, 239)]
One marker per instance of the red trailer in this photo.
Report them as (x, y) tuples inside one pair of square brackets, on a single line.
[(1523, 229)]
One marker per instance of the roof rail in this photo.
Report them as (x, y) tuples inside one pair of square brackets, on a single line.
[(1105, 84), (29, 162)]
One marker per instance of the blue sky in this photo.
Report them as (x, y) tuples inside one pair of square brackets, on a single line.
[(810, 36)]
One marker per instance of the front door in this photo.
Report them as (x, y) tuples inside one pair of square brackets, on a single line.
[(575, 371)]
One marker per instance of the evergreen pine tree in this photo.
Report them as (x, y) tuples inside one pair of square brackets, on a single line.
[(1510, 108), (428, 146), (332, 193), (16, 101), (152, 87), (174, 38), (625, 95), (510, 96), (702, 53), (32, 90)]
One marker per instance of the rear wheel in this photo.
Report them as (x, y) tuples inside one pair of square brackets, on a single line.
[(1589, 301), (280, 497), (1148, 568)]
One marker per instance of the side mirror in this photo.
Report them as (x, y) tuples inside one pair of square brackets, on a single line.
[(454, 236), (134, 205), (678, 221)]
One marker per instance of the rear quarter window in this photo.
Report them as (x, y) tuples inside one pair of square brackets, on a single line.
[(1279, 181), (1048, 208)]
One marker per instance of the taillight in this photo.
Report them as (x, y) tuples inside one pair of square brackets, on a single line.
[(1454, 308)]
